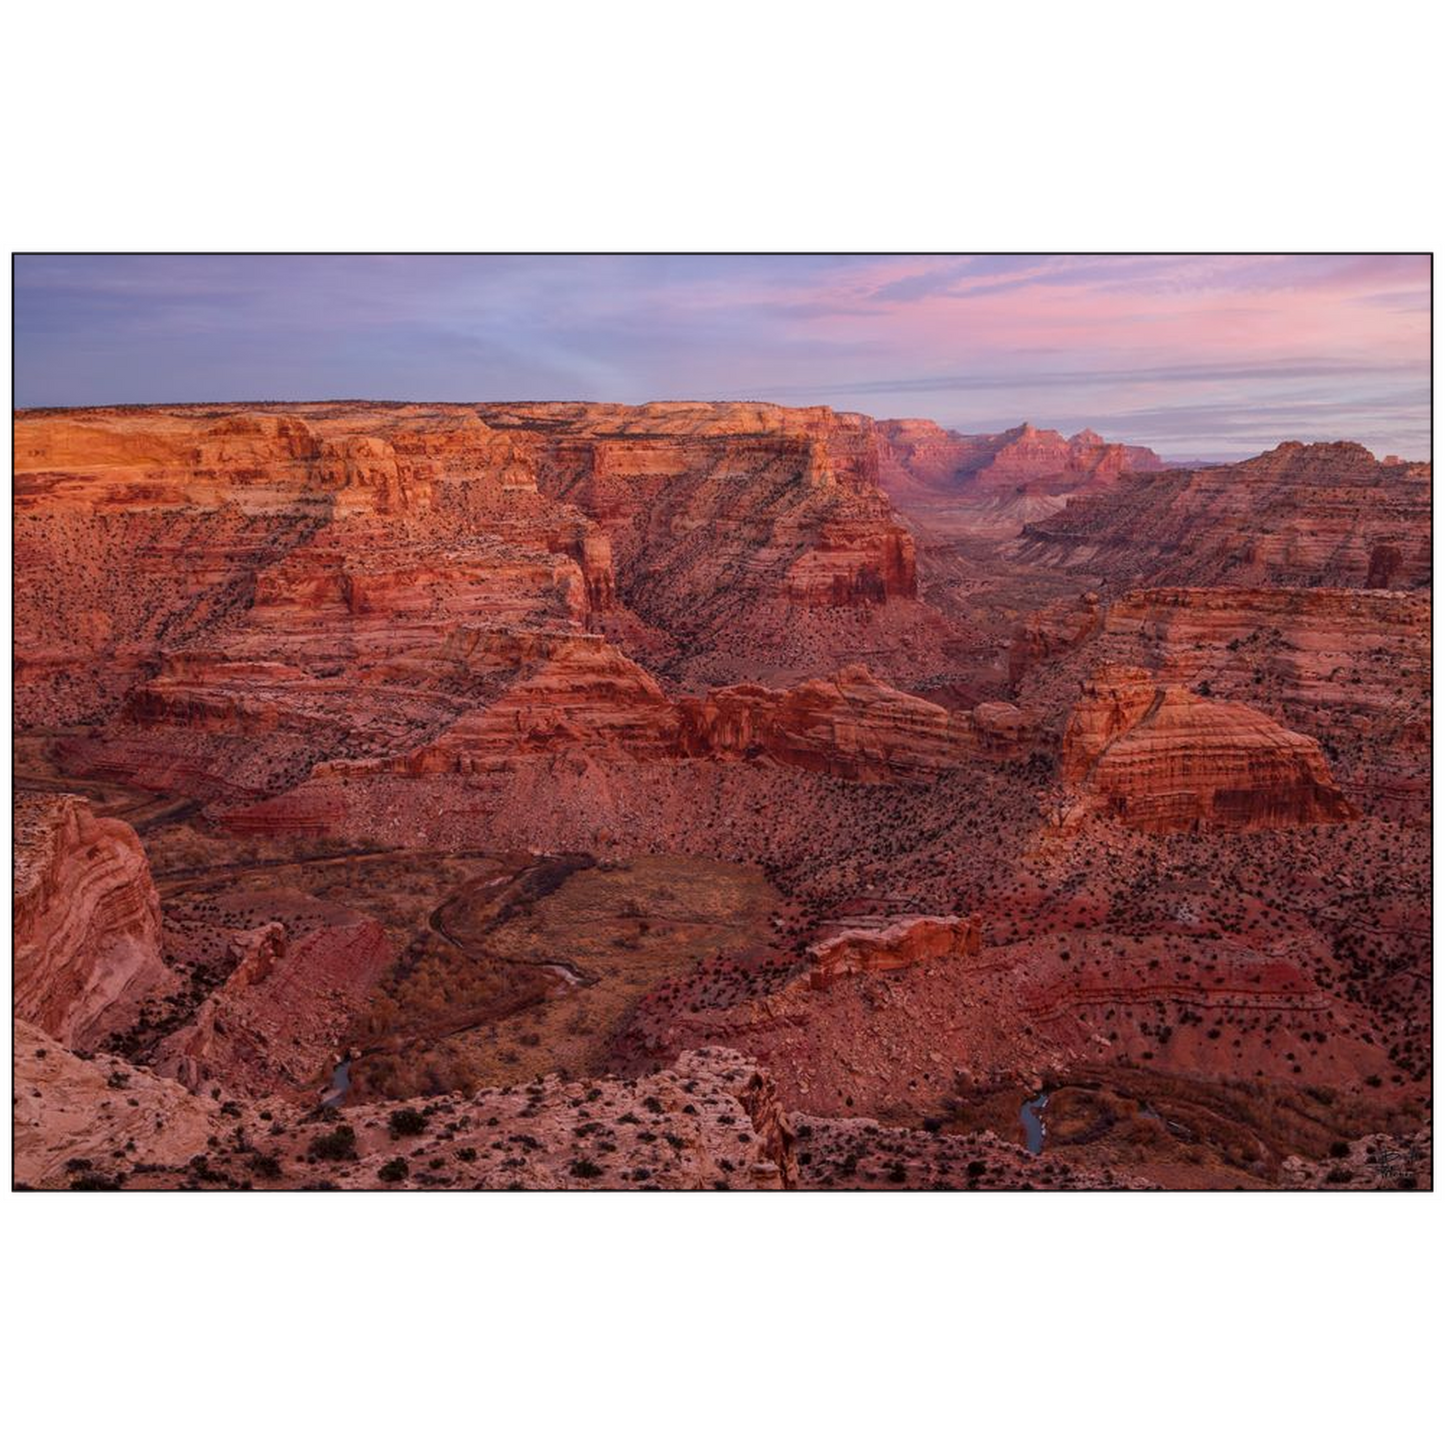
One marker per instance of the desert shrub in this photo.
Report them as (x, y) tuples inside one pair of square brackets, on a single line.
[(90, 1179), (406, 1122), (393, 1171), (340, 1143)]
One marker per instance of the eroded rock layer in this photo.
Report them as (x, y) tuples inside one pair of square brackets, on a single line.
[(278, 1020), (1350, 668), (86, 923), (991, 485), (1324, 515), (851, 725), (1163, 758)]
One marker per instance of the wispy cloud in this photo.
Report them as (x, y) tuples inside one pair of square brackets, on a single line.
[(1281, 371), (966, 339)]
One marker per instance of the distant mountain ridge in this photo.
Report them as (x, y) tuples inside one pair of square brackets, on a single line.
[(995, 483), (1327, 514)]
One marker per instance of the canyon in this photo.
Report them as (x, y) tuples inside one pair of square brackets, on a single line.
[(573, 795), (991, 484)]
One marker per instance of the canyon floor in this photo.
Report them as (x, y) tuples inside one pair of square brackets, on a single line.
[(713, 797)]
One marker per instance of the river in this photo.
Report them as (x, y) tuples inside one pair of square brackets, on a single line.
[(335, 1095), (1031, 1116)]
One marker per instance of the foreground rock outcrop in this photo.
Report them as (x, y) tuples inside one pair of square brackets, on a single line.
[(279, 1018), (1163, 758), (711, 1121), (87, 921), (81, 1123)]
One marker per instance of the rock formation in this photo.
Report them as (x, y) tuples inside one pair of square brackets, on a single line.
[(851, 725), (1325, 515), (1162, 758), (1347, 667), (78, 1122), (278, 1019), (991, 485), (87, 921), (629, 802), (892, 944), (535, 693)]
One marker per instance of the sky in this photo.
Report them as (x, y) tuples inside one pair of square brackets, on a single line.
[(1200, 356)]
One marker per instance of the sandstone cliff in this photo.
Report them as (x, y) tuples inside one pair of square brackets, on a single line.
[(1162, 758), (850, 725), (737, 529), (1309, 516), (1348, 667), (239, 594), (86, 924)]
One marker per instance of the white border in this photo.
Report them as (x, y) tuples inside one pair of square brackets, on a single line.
[(908, 126)]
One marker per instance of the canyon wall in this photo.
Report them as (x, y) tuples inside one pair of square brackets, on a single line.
[(1348, 667), (991, 485), (1324, 515), (226, 597), (86, 923)]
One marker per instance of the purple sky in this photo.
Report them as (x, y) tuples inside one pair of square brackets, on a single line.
[(1196, 356)]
